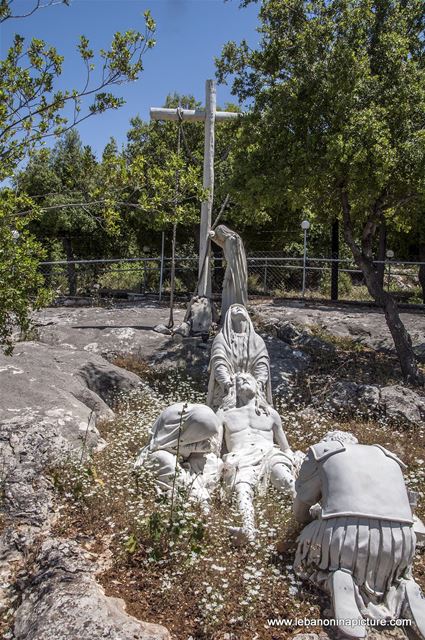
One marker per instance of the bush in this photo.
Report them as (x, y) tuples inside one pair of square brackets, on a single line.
[(345, 284)]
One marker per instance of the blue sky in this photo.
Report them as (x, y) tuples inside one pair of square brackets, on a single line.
[(189, 34)]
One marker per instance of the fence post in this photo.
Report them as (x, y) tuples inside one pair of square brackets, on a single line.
[(335, 260), (265, 276), (161, 268), (304, 226)]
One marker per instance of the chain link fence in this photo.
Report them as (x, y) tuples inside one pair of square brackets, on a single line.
[(270, 274)]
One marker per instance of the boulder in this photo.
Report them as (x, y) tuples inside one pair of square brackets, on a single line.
[(62, 601), (67, 389), (401, 403), (161, 328), (183, 330), (395, 402), (297, 337)]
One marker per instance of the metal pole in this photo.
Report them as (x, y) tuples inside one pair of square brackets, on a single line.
[(304, 261), (204, 285), (161, 269), (265, 276), (335, 258)]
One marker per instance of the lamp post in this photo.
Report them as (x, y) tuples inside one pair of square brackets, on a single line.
[(305, 225), (390, 256)]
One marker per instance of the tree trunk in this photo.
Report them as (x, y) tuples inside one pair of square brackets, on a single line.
[(363, 258), (70, 267), (401, 337), (421, 273), (382, 252)]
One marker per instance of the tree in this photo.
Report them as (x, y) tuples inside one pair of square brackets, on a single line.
[(32, 110), (62, 181), (337, 125)]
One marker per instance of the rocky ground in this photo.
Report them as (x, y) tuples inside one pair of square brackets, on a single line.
[(58, 391), (363, 324)]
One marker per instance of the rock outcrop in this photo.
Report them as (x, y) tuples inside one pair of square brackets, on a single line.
[(395, 402), (50, 400), (63, 601)]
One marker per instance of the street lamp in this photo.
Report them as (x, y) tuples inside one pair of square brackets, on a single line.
[(305, 225)]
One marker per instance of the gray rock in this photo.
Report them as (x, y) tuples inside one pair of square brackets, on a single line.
[(66, 388), (183, 330), (401, 403), (347, 395), (419, 350), (395, 402), (62, 601), (123, 330), (366, 324), (297, 337), (161, 328), (199, 315)]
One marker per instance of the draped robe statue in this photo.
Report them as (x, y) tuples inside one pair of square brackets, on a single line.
[(194, 433), (237, 348), (235, 284), (360, 543)]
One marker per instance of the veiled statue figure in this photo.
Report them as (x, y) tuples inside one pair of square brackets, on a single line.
[(360, 543), (194, 433), (237, 348), (235, 283), (257, 452)]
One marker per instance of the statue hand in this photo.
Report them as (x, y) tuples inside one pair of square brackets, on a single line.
[(315, 511)]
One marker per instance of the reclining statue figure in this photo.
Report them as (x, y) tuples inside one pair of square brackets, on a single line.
[(360, 542), (237, 348), (257, 451), (185, 440)]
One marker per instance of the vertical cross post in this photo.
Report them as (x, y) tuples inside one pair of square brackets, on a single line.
[(209, 116), (204, 274)]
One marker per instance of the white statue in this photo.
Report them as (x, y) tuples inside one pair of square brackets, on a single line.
[(194, 433), (360, 543), (257, 451), (235, 283), (237, 348)]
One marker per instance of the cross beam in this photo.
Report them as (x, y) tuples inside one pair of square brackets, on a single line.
[(210, 115)]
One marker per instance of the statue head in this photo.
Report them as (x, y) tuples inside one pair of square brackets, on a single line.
[(246, 388), (343, 437), (239, 318)]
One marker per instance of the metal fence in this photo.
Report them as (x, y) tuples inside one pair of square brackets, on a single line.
[(269, 274)]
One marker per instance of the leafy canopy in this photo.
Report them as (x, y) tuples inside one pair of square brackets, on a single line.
[(339, 104)]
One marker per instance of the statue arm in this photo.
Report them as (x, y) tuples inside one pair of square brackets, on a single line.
[(261, 372), (301, 511), (222, 375), (308, 490), (279, 434)]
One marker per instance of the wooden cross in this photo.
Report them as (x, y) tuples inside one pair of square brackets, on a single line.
[(210, 115)]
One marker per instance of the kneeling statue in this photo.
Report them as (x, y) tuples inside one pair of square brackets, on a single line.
[(360, 542), (182, 451), (257, 451)]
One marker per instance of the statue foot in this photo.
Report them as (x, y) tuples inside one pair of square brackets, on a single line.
[(345, 605), (415, 609), (240, 536)]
